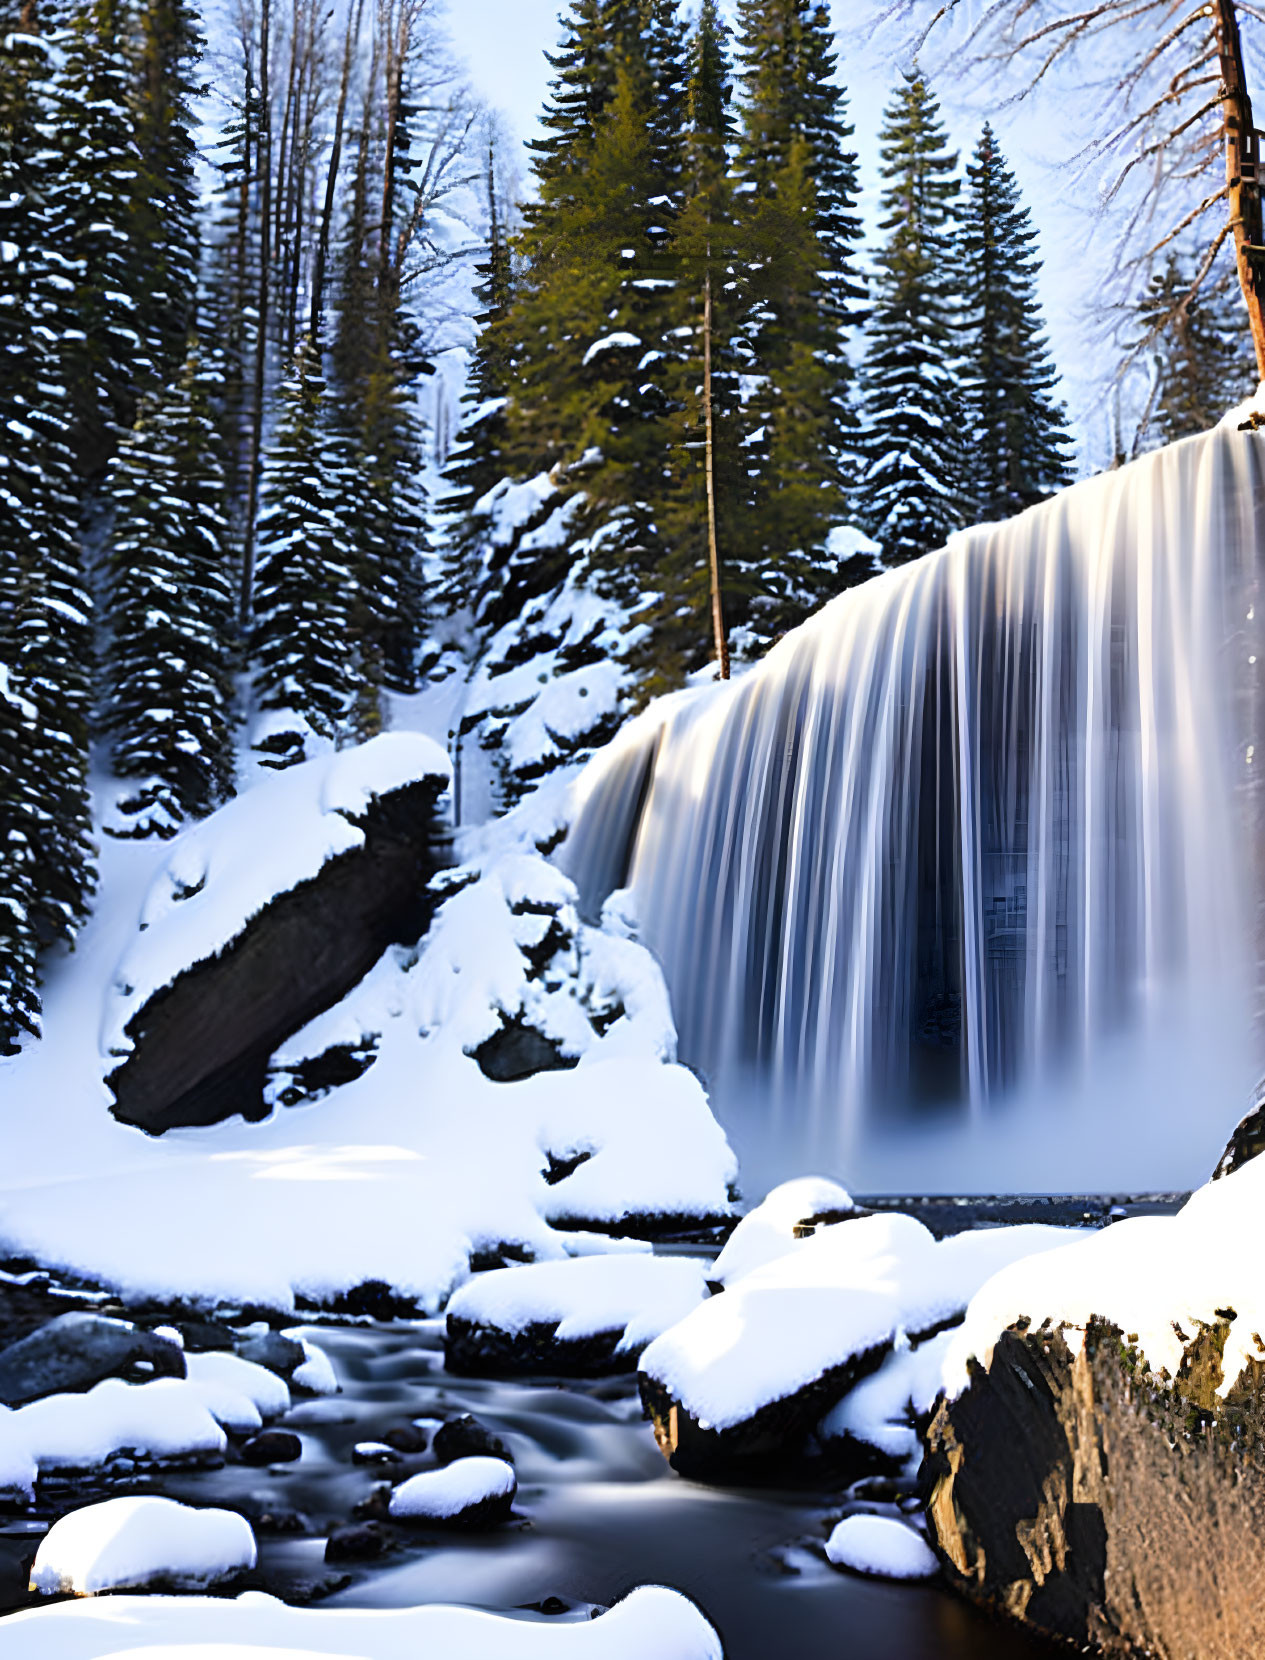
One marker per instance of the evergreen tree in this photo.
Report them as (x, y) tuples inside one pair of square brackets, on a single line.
[(1016, 437), (170, 614), (912, 493), (105, 350), (309, 670), (47, 868), (797, 192), (1201, 355)]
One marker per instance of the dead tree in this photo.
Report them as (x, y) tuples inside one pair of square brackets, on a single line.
[(1181, 116)]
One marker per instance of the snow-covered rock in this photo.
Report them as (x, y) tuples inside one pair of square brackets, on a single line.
[(166, 1419), (76, 1350), (650, 1621), (230, 1373), (470, 1492), (746, 1375), (790, 1213), (129, 1544), (883, 1411), (18, 1469), (585, 1316), (315, 1376), (882, 1547)]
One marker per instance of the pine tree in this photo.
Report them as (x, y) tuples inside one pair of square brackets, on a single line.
[(1201, 356), (1016, 436), (47, 869), (309, 672), (105, 351), (170, 614), (911, 496), (797, 193)]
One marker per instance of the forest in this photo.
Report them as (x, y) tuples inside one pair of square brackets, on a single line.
[(226, 524)]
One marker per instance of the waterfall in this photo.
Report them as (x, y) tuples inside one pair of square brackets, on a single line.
[(960, 888)]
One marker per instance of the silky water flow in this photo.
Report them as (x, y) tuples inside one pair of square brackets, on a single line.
[(961, 888)]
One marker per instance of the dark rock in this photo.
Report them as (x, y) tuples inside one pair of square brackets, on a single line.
[(356, 1542), (271, 1446), (1247, 1140), (279, 1354), (480, 1351), (201, 1046), (517, 1051), (549, 1605), (75, 1351), (203, 1336), (772, 1444), (310, 1079), (1102, 1505), (376, 1300), (466, 1437), (407, 1438)]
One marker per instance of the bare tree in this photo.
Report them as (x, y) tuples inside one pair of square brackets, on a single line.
[(1179, 125)]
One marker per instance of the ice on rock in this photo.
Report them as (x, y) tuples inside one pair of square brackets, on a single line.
[(769, 1230), (128, 1544), (638, 1295), (651, 1623), (448, 1494), (881, 1546)]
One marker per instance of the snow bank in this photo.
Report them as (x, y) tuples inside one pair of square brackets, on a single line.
[(638, 1295), (223, 871), (839, 1294), (166, 1418), (769, 1230), (451, 1492), (1148, 1275), (652, 1621), (127, 1544), (881, 1546)]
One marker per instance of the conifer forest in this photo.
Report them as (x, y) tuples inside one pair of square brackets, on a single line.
[(632, 838)]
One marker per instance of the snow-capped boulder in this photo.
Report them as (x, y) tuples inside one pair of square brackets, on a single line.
[(1096, 1469), (76, 1351), (583, 1317), (167, 1420), (264, 914), (468, 1493), (133, 1543), (741, 1381), (881, 1547), (791, 1212)]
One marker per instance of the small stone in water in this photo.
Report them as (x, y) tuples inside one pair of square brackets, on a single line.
[(408, 1439), (466, 1437), (358, 1542), (273, 1446), (374, 1452), (279, 1354)]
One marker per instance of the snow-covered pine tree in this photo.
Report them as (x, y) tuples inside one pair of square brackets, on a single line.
[(170, 614), (166, 224), (1200, 355), (1016, 439), (797, 191), (105, 352), (912, 490), (309, 669), (47, 868)]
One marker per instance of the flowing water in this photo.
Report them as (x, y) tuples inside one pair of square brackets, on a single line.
[(975, 853)]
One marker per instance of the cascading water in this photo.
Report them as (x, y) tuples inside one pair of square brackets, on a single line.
[(961, 888)]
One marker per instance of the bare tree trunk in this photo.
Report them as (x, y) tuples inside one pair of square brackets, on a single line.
[(1242, 161), (355, 8), (397, 48), (713, 551), (264, 153)]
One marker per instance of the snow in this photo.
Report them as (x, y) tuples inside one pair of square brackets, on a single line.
[(638, 1295), (845, 1291), (441, 1495), (223, 871), (403, 1174), (18, 1468), (314, 1373), (768, 1231), (228, 1375), (618, 341), (881, 1546), (126, 1544), (882, 1409), (650, 1621), (1148, 1275), (165, 1418)]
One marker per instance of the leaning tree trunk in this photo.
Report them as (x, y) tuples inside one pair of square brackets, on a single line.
[(1242, 160)]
